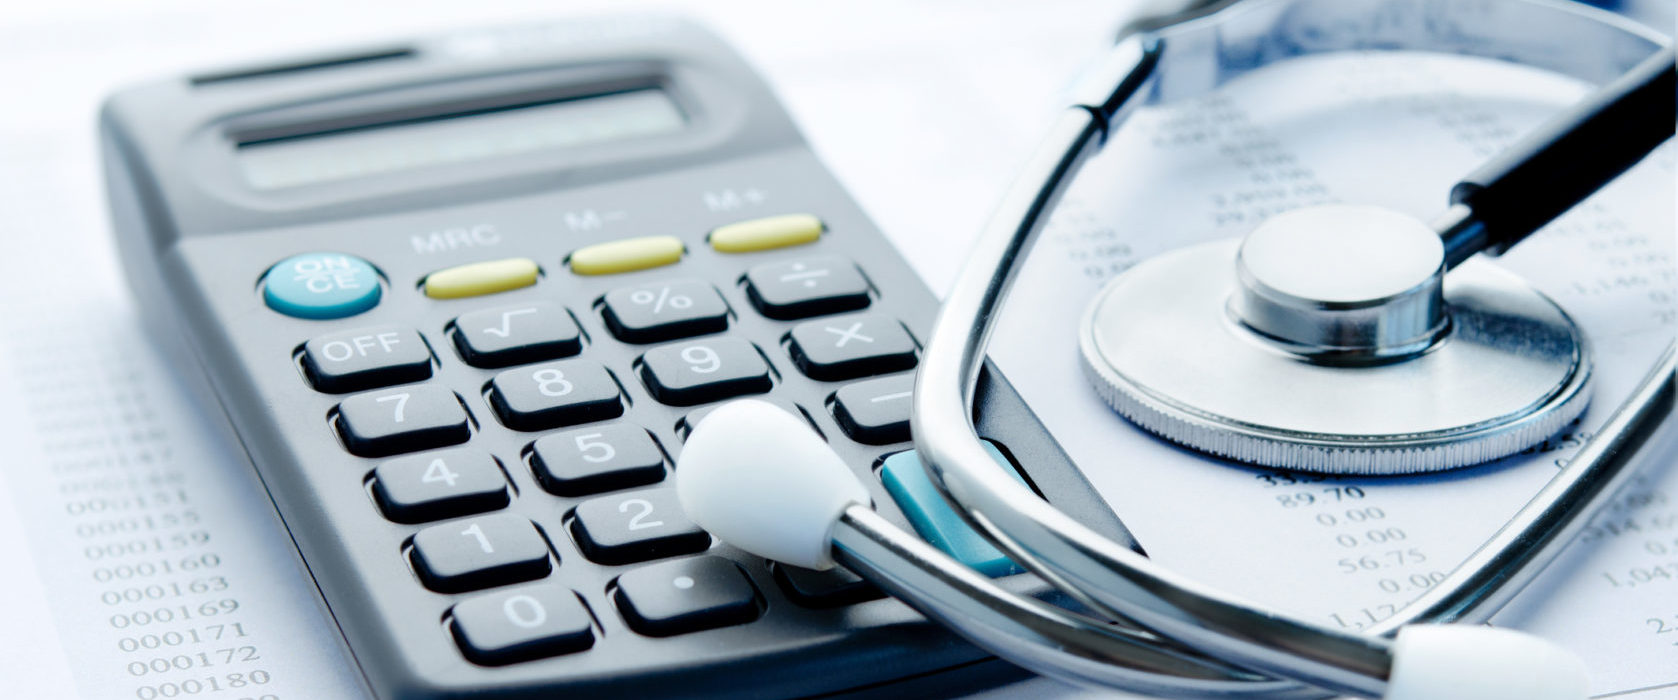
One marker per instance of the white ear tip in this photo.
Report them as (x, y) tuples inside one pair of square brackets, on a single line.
[(764, 481), (1466, 662)]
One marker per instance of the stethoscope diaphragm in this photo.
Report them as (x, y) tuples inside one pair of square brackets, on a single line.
[(1354, 353)]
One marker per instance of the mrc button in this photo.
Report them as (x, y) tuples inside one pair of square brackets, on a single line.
[(366, 358), (321, 286)]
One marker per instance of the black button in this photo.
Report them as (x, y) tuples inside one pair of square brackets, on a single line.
[(366, 358), (516, 335), (684, 427), (822, 589), (665, 311), (492, 550), (595, 460), (875, 411), (520, 624), (439, 485), (702, 371), (847, 347), (405, 419), (636, 526), (806, 287), (554, 395), (686, 595)]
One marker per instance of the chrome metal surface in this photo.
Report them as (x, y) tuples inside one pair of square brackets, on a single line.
[(1341, 284), (1159, 348), (1194, 58)]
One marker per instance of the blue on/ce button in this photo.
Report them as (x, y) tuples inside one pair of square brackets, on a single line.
[(321, 286)]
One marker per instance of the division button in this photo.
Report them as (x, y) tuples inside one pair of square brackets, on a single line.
[(438, 485), (597, 459), (515, 335), (766, 234), (366, 358), (636, 526), (627, 255), (404, 419), (665, 311), (321, 286), (554, 395), (687, 595), (520, 624), (875, 411), (478, 279), (847, 347), (702, 371), (491, 550), (806, 287)]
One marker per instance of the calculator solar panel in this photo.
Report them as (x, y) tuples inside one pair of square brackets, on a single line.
[(463, 302)]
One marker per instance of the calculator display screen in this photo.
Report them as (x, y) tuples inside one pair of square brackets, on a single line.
[(456, 138)]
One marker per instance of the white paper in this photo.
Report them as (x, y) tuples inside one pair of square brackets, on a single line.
[(1394, 131)]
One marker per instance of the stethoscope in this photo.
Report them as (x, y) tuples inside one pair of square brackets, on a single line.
[(1294, 305)]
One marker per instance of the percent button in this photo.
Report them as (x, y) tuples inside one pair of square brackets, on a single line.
[(652, 313)]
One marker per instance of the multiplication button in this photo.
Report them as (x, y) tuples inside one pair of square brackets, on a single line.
[(664, 311), (366, 358), (847, 347), (806, 287), (516, 335)]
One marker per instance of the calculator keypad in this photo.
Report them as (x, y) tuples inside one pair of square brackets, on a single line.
[(520, 624), (553, 395), (596, 459), (491, 550), (437, 485), (404, 419), (848, 347), (611, 471), (515, 335), (636, 526), (664, 311), (686, 595)]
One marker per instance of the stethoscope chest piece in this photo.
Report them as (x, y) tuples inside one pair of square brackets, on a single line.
[(1331, 339)]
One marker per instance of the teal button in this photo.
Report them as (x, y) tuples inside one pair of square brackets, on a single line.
[(321, 286), (937, 523)]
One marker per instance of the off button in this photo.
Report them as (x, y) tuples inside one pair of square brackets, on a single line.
[(321, 286)]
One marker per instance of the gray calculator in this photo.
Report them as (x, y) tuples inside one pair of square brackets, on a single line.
[(462, 298)]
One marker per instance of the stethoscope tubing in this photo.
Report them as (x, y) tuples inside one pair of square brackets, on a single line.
[(1123, 585)]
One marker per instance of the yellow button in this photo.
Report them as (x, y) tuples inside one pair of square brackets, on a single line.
[(482, 278), (766, 233), (627, 255)]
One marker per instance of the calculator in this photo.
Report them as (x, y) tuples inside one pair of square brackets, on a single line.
[(462, 298)]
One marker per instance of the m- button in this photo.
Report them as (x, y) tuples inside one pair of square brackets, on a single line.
[(366, 358)]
